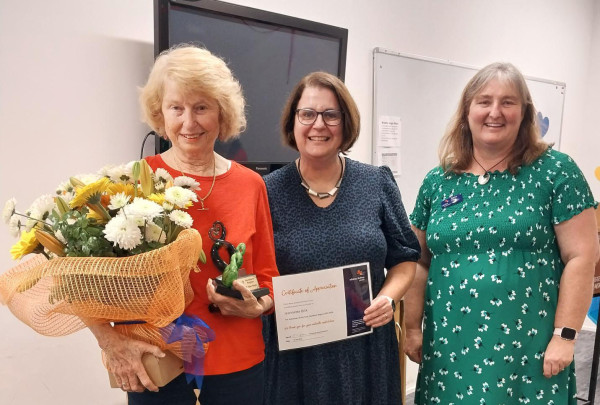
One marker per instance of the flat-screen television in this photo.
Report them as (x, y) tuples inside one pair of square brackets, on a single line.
[(267, 52)]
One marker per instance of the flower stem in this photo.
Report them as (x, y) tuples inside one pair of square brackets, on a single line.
[(33, 219)]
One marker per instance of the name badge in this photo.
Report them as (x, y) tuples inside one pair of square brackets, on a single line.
[(453, 199)]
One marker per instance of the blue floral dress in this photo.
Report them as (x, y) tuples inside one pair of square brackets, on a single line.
[(365, 222), (492, 287)]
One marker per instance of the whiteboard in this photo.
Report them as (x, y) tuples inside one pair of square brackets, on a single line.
[(414, 97)]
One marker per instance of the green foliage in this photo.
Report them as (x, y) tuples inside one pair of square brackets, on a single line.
[(83, 235)]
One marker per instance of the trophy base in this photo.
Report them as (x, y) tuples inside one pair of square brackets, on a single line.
[(248, 281)]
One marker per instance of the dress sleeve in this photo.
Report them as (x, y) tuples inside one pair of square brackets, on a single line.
[(422, 210), (402, 243), (571, 192)]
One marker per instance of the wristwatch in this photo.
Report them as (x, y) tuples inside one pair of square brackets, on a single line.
[(566, 333), (391, 301)]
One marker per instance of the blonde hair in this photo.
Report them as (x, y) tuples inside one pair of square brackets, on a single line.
[(456, 147), (351, 116), (194, 70)]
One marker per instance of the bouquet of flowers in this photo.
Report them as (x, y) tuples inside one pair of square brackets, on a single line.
[(112, 247), (122, 211)]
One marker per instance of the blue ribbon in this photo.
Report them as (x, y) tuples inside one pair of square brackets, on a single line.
[(193, 333)]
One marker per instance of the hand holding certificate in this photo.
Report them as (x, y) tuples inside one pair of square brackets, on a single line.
[(322, 306)]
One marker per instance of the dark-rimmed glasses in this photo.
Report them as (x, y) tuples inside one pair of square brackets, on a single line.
[(308, 116)]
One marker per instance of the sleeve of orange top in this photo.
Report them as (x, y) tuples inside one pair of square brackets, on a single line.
[(264, 264)]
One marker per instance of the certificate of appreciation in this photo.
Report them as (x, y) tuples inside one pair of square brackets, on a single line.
[(322, 306)]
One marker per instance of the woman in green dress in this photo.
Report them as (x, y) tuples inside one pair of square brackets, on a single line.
[(508, 235)]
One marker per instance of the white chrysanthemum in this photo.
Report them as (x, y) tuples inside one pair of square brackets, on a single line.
[(14, 226), (124, 232), (118, 201), (154, 233), (67, 197), (129, 166), (88, 178), (105, 171), (168, 206), (181, 218), (186, 182), (65, 188), (143, 208), (118, 174), (42, 207), (29, 223), (9, 210), (121, 173), (180, 197), (139, 221), (162, 176)]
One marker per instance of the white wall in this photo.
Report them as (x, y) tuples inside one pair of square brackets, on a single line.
[(68, 76)]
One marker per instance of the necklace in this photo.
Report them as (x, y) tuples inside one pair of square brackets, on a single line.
[(211, 186), (485, 177), (329, 193)]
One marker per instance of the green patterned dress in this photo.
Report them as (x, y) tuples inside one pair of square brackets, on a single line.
[(492, 287)]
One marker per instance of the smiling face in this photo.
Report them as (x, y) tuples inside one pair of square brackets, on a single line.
[(318, 140), (495, 115), (191, 120)]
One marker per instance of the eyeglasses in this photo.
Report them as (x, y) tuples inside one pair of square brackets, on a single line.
[(308, 116)]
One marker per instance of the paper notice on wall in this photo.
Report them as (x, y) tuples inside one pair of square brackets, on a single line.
[(390, 129), (388, 137), (389, 157)]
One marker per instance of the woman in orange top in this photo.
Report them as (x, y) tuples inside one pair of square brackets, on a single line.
[(192, 99)]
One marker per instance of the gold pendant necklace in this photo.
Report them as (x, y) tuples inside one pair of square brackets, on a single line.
[(201, 199), (485, 177), (317, 194)]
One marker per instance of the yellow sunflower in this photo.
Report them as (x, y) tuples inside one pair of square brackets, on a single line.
[(95, 215), (158, 198), (25, 245), (83, 194), (121, 188)]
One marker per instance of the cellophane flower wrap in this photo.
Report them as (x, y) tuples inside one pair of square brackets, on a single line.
[(112, 247)]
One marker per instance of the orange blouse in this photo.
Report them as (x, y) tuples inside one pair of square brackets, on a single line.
[(239, 201)]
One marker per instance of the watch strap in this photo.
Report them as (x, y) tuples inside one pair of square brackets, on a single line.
[(391, 301), (566, 333)]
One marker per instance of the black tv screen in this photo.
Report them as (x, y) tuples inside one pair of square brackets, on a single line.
[(268, 53)]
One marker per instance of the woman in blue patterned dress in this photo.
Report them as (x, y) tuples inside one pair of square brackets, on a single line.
[(331, 211), (503, 222)]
